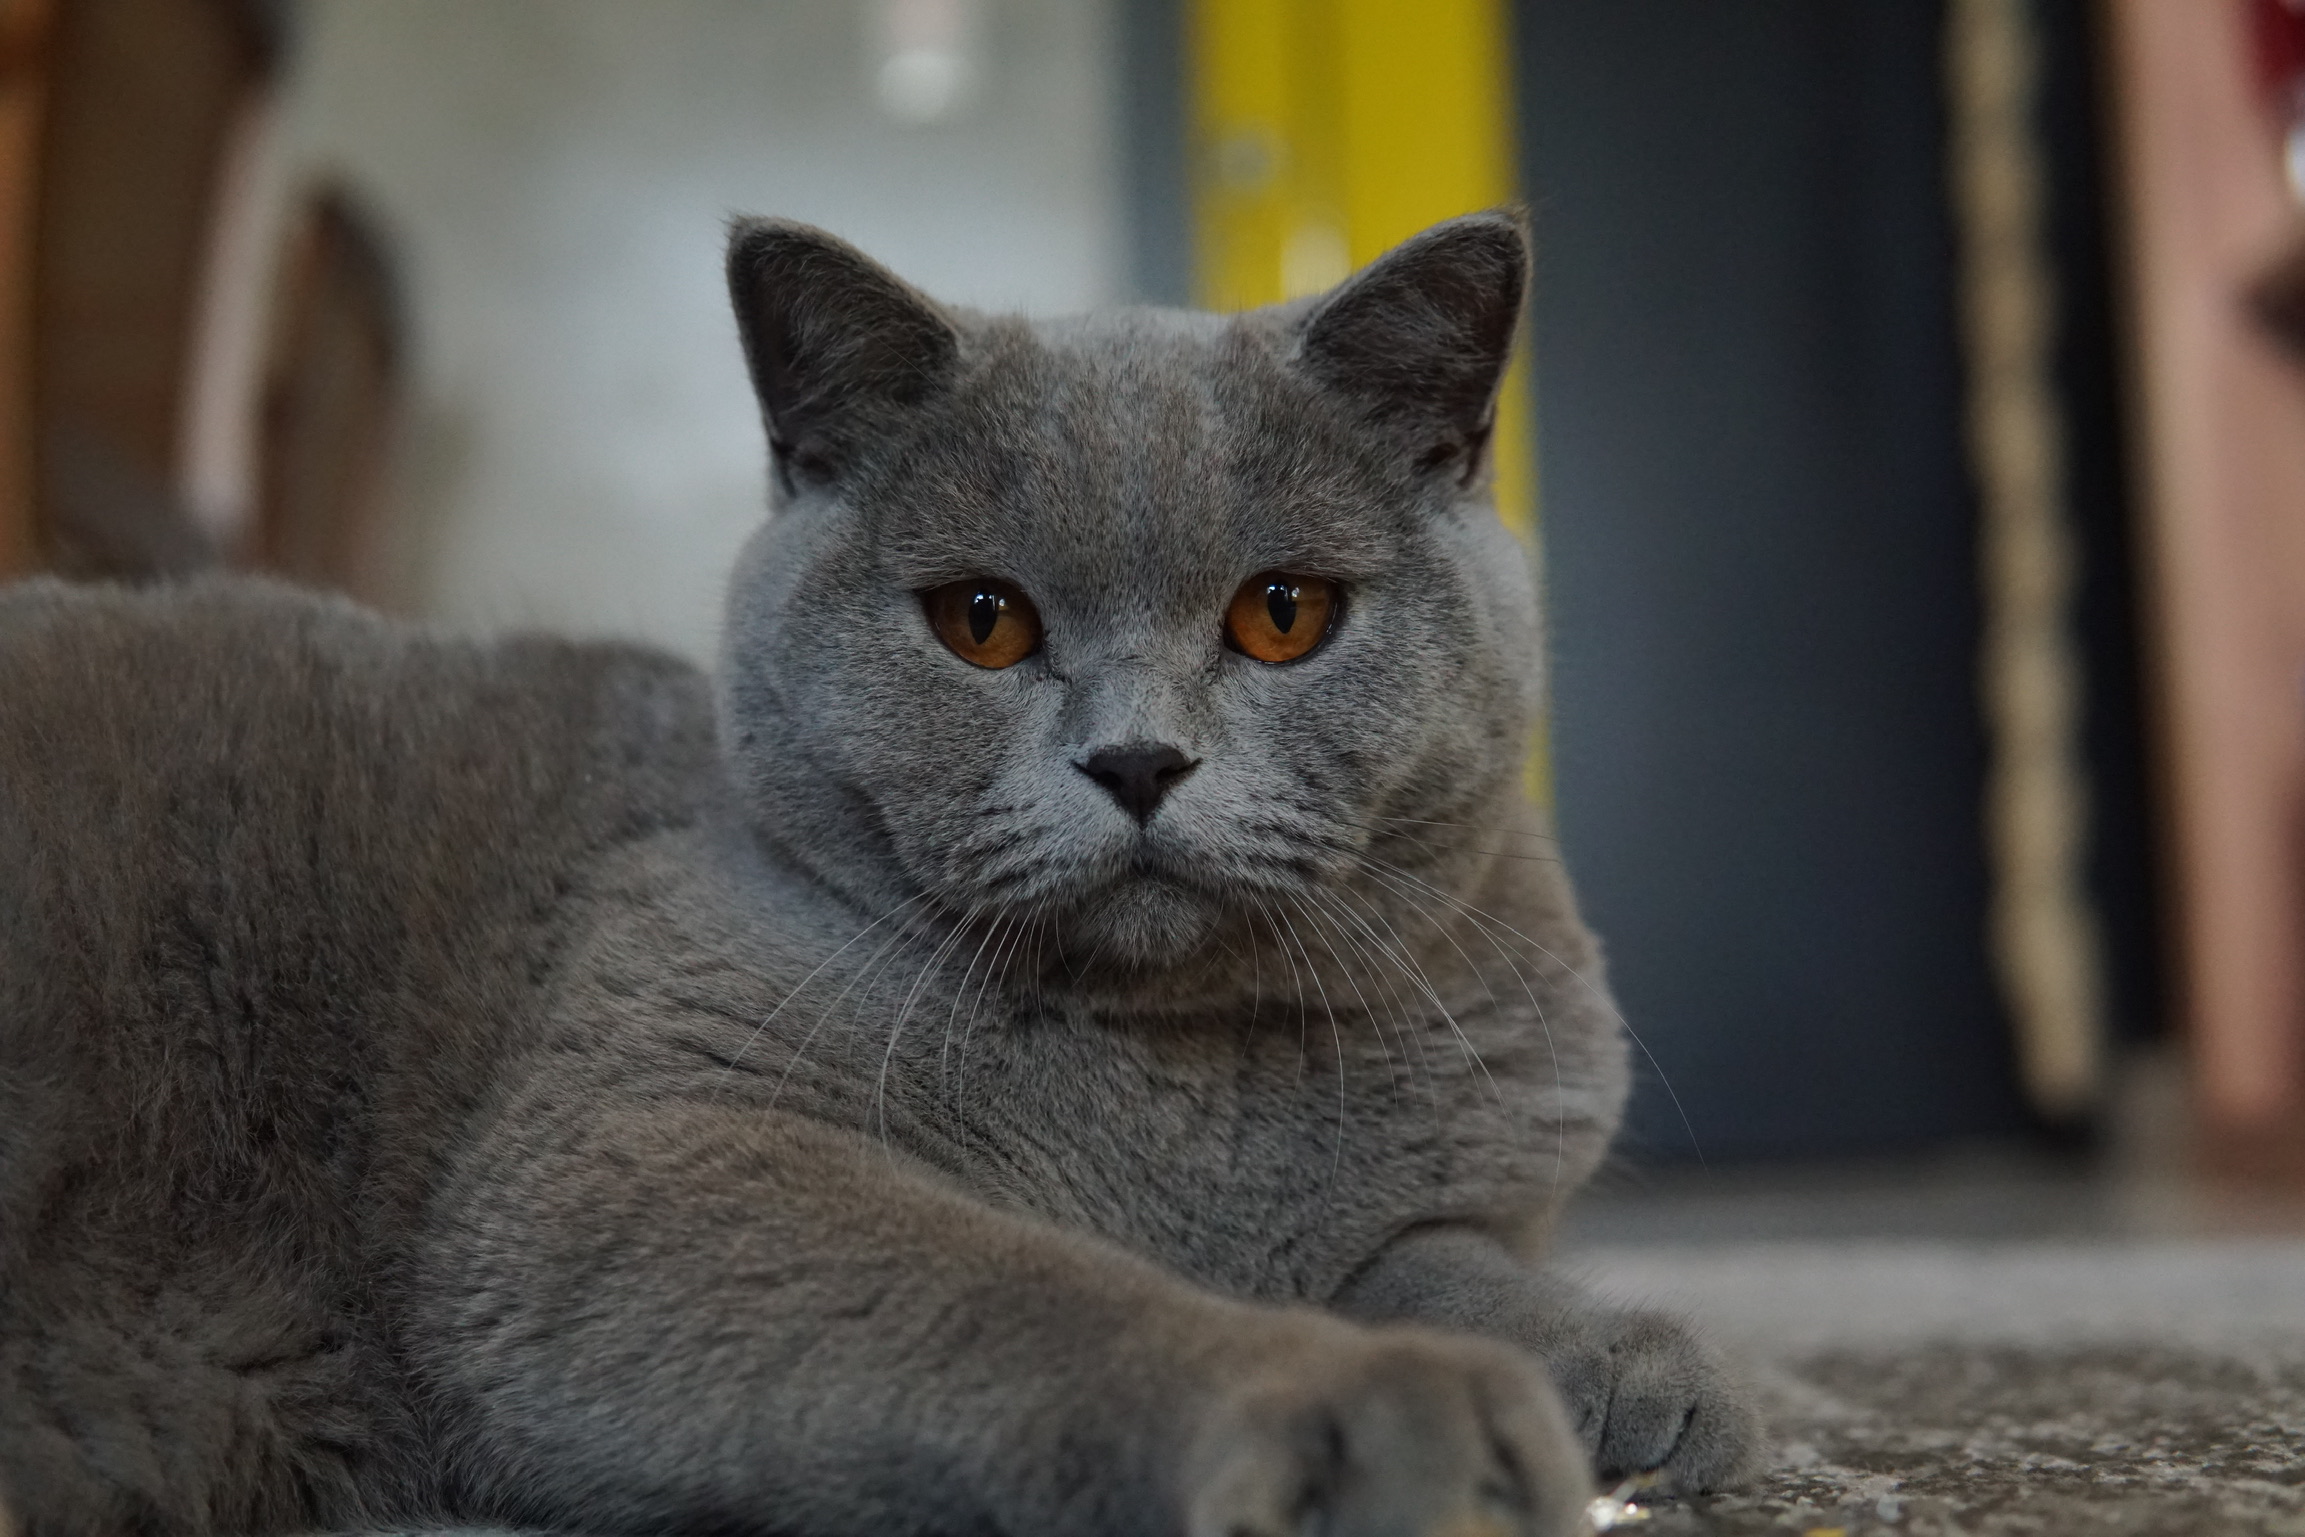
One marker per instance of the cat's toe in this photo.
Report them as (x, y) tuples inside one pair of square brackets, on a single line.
[(1386, 1434), (1649, 1396)]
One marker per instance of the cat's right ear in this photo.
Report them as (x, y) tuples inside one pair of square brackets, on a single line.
[(1419, 338), (837, 344)]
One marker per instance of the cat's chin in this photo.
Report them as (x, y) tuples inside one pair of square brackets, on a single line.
[(1148, 924)]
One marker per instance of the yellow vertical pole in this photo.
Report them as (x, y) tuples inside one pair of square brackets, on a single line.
[(1327, 131)]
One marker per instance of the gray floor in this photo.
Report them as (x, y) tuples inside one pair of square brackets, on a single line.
[(1989, 1341), (1963, 1194)]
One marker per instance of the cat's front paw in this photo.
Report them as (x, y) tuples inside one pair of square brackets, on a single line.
[(1646, 1395), (1389, 1433)]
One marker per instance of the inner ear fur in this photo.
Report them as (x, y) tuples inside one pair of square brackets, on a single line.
[(836, 343), (1419, 338)]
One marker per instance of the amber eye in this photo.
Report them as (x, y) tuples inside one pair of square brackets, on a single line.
[(984, 621), (1277, 617)]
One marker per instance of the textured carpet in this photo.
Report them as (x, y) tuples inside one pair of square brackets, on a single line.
[(2014, 1389)]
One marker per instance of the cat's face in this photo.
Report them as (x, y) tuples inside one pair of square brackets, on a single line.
[(1130, 630)]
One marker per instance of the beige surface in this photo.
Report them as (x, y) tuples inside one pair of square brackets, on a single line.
[(2002, 1390), (2043, 929), (2223, 418)]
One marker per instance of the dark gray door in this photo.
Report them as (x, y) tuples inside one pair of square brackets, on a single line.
[(1759, 535)]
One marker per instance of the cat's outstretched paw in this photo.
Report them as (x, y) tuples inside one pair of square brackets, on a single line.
[(1646, 1395), (1389, 1433)]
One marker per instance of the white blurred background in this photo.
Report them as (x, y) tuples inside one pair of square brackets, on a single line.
[(580, 449)]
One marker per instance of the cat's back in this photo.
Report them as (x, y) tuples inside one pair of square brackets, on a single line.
[(279, 884), (201, 671), (268, 734), (280, 872)]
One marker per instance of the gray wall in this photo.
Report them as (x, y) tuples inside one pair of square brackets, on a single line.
[(583, 452)]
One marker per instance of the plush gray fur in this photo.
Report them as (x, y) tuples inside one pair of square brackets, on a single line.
[(518, 1082)]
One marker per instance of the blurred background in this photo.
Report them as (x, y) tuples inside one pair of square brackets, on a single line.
[(1912, 436)]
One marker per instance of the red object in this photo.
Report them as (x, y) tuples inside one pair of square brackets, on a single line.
[(2280, 37)]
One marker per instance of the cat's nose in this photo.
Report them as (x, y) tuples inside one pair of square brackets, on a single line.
[(1137, 774)]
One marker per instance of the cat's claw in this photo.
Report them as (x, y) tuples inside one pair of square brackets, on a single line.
[(1403, 1433)]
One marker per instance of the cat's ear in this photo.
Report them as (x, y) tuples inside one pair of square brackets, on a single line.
[(1419, 338), (838, 345)]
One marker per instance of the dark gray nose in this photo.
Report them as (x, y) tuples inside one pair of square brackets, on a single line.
[(1137, 774)]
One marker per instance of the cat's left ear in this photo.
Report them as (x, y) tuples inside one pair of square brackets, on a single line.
[(1420, 337)]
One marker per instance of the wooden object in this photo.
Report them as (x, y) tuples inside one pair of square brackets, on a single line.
[(115, 116), (2044, 930), (24, 34), (331, 398), (2221, 414)]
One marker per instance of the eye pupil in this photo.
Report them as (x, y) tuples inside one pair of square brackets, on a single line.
[(984, 621), (1277, 616)]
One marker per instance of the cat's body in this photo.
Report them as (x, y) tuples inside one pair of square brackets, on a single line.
[(455, 1080)]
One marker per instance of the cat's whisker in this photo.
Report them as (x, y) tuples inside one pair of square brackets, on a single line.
[(950, 942), (1502, 832), (944, 1051), (1372, 951), (1402, 1014), (985, 984), (1048, 929), (796, 989), (1337, 1164), (1095, 954), (1465, 1041), (1036, 966), (1544, 1026), (902, 932), (999, 987), (1599, 994), (1428, 843), (1312, 915), (992, 984), (1400, 954), (1064, 953), (1256, 976), (1297, 982), (1010, 954), (1312, 920)]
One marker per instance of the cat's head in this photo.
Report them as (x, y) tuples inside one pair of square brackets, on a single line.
[(1136, 629)]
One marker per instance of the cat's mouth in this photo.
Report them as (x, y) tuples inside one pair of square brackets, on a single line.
[(1151, 902)]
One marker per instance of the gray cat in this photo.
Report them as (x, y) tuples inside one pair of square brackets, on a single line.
[(1074, 1031)]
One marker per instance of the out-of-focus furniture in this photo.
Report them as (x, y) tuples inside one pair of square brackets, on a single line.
[(143, 103), (171, 394), (2221, 418), (329, 403), (23, 55)]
